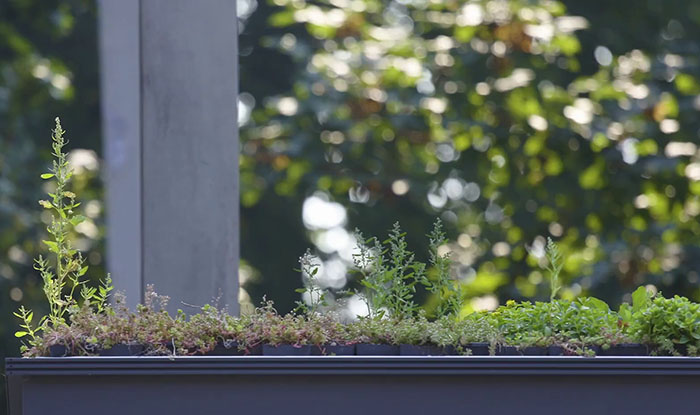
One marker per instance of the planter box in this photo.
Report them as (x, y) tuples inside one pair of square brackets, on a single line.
[(344, 385)]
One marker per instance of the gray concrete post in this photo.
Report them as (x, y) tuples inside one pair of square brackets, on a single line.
[(169, 98)]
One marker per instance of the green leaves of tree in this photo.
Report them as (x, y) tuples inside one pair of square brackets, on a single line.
[(572, 144)]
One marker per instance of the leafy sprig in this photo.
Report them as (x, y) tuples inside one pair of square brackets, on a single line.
[(555, 263), (69, 267), (309, 266), (448, 290), (28, 328), (63, 274), (369, 262), (389, 273)]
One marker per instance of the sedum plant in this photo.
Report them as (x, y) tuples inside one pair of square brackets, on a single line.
[(475, 328), (415, 331), (373, 331)]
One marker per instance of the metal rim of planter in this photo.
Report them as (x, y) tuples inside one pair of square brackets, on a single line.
[(353, 365)]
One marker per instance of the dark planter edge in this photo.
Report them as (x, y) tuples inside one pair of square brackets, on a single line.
[(351, 365), (48, 370)]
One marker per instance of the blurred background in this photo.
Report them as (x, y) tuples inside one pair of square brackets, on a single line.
[(511, 121)]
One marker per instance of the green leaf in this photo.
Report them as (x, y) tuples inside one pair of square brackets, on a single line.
[(47, 176), (20, 333), (625, 312), (597, 304), (640, 299), (53, 247), (75, 220), (82, 271), (300, 290)]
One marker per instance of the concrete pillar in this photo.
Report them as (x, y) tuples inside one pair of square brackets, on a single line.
[(169, 108)]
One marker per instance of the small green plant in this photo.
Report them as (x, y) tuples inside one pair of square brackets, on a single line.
[(373, 330), (447, 290), (641, 298), (67, 261), (390, 274), (415, 331), (474, 328), (369, 262), (670, 325), (99, 296), (403, 275), (573, 324), (28, 328), (309, 267), (555, 263), (62, 275), (274, 329)]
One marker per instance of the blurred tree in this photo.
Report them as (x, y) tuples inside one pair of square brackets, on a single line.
[(511, 120)]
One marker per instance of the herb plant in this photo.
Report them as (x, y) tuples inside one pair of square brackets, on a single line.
[(369, 261), (390, 283), (670, 325), (447, 289), (574, 324), (64, 273), (390, 273), (555, 263), (309, 267)]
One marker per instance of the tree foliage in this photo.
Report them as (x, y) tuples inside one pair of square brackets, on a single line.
[(512, 121)]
